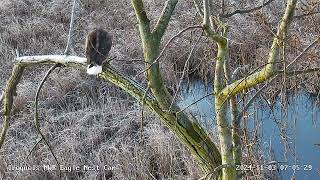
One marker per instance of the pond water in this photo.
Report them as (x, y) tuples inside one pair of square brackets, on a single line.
[(289, 134)]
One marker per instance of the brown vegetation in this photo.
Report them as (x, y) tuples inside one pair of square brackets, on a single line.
[(89, 122)]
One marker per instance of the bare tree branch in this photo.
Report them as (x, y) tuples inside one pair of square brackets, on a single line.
[(167, 45), (269, 82), (208, 29), (244, 11), (240, 115), (1, 97), (198, 7), (184, 71), (128, 84), (267, 71), (195, 102), (144, 22), (297, 72), (164, 18), (9, 92), (206, 12), (151, 46), (49, 59), (214, 174), (36, 115), (142, 116), (222, 4), (306, 15), (69, 42), (311, 45)]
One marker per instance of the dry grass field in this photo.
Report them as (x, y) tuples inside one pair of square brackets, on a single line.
[(91, 123)]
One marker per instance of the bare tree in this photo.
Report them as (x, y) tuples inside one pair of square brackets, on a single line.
[(216, 162)]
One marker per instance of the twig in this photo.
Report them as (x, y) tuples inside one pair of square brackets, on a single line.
[(243, 11), (197, 5), (195, 102), (206, 12), (306, 15), (69, 42), (184, 70), (36, 115), (304, 51), (131, 60), (214, 172), (142, 114), (208, 23), (166, 46), (17, 52), (297, 72), (240, 115), (34, 147), (1, 96), (222, 6), (25, 159)]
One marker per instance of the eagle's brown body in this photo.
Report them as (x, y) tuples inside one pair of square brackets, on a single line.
[(98, 45)]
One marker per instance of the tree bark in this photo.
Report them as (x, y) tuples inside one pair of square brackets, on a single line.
[(182, 124)]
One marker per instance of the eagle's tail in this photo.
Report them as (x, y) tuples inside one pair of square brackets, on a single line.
[(94, 69)]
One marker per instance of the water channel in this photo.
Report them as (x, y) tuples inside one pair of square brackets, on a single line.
[(289, 134)]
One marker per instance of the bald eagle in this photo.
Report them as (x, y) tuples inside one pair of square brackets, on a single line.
[(98, 45)]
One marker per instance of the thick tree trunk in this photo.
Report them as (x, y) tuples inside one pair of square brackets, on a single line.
[(182, 124), (224, 130)]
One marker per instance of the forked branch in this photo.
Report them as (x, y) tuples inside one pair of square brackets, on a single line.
[(268, 70), (164, 18), (36, 116)]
